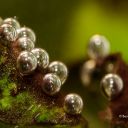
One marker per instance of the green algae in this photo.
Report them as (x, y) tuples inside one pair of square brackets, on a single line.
[(6, 98), (49, 114), (31, 108), (2, 59)]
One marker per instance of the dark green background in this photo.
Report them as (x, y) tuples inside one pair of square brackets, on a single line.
[(63, 28)]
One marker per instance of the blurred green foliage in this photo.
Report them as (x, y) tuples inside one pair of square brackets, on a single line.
[(63, 28)]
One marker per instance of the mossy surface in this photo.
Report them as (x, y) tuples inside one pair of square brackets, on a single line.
[(22, 102)]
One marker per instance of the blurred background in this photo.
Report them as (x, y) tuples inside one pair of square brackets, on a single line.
[(63, 28)]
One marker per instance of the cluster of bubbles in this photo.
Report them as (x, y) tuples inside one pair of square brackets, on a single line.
[(111, 84), (30, 58)]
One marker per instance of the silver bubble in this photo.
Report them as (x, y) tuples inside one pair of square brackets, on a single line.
[(73, 104), (9, 32), (24, 43), (87, 71), (42, 57), (111, 86), (98, 47), (26, 32), (26, 62), (59, 69), (51, 84), (13, 22)]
